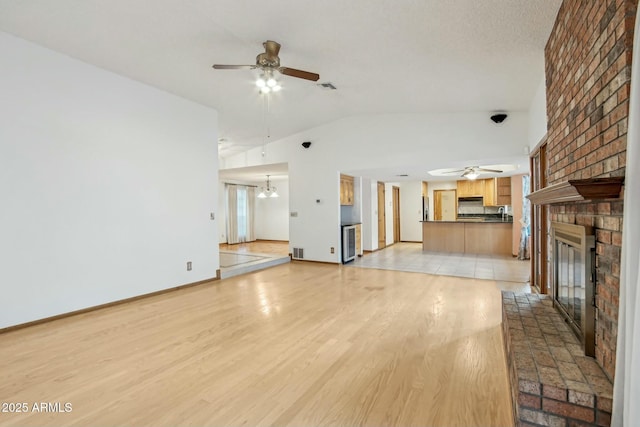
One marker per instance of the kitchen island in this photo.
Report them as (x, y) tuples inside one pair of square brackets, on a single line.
[(475, 237)]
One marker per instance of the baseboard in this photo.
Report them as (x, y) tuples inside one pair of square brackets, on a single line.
[(254, 241), (107, 305), (317, 262), (410, 241)]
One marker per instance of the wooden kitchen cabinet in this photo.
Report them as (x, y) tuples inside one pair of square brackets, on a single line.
[(470, 188), (359, 239), (497, 191), (489, 197), (346, 190), (503, 191)]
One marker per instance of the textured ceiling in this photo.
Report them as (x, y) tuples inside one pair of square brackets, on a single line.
[(384, 56)]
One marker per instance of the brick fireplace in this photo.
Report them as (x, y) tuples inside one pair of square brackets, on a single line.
[(587, 77), (588, 70)]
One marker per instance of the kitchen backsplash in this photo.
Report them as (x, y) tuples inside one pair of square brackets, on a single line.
[(470, 208)]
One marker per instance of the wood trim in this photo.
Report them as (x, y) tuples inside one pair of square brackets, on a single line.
[(578, 190), (107, 305), (539, 145)]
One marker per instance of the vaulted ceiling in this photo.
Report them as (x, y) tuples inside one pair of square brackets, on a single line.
[(383, 56)]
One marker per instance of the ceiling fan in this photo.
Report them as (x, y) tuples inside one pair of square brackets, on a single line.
[(470, 172), (268, 61)]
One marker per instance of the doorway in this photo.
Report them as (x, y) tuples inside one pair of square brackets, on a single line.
[(396, 214), (382, 229), (445, 205)]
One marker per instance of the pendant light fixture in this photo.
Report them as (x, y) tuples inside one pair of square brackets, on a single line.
[(268, 191)]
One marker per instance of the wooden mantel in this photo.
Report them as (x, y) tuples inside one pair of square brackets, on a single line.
[(578, 190)]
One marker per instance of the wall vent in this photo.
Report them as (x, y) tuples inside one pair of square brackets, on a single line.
[(327, 86), (298, 253)]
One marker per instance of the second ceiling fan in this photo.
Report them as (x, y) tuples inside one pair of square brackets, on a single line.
[(471, 172)]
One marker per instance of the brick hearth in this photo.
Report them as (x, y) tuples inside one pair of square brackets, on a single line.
[(552, 382)]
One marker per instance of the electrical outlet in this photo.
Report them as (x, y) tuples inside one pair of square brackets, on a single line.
[(333, 250), (189, 266)]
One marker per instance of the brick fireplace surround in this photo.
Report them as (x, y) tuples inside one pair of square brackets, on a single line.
[(588, 71)]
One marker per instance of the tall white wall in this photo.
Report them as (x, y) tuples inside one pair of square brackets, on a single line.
[(107, 186), (388, 211), (411, 211), (368, 214), (538, 114), (371, 141)]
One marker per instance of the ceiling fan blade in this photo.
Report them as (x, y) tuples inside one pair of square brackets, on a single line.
[(271, 48), (233, 67), (453, 172), (489, 170), (299, 74)]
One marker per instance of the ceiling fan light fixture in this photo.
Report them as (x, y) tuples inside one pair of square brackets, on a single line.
[(261, 82), (272, 82), (471, 175), (276, 88)]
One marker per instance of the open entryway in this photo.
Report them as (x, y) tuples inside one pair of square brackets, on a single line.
[(253, 218), (445, 205)]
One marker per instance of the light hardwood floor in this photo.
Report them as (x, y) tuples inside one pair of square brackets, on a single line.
[(259, 246), (301, 344)]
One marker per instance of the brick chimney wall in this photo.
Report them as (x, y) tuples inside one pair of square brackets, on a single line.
[(588, 71)]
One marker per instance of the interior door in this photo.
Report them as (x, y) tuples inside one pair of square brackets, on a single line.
[(396, 214), (382, 229), (445, 205)]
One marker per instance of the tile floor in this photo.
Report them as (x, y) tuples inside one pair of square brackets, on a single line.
[(509, 273)]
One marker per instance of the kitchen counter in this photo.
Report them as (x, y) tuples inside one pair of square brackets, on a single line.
[(477, 237)]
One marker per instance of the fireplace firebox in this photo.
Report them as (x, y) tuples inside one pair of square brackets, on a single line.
[(573, 275)]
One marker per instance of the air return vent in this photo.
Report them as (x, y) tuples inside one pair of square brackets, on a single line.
[(298, 253), (327, 86)]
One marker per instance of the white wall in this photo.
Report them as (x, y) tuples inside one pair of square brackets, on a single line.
[(411, 211), (369, 215), (389, 214), (272, 214), (107, 186), (538, 115), (363, 142)]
